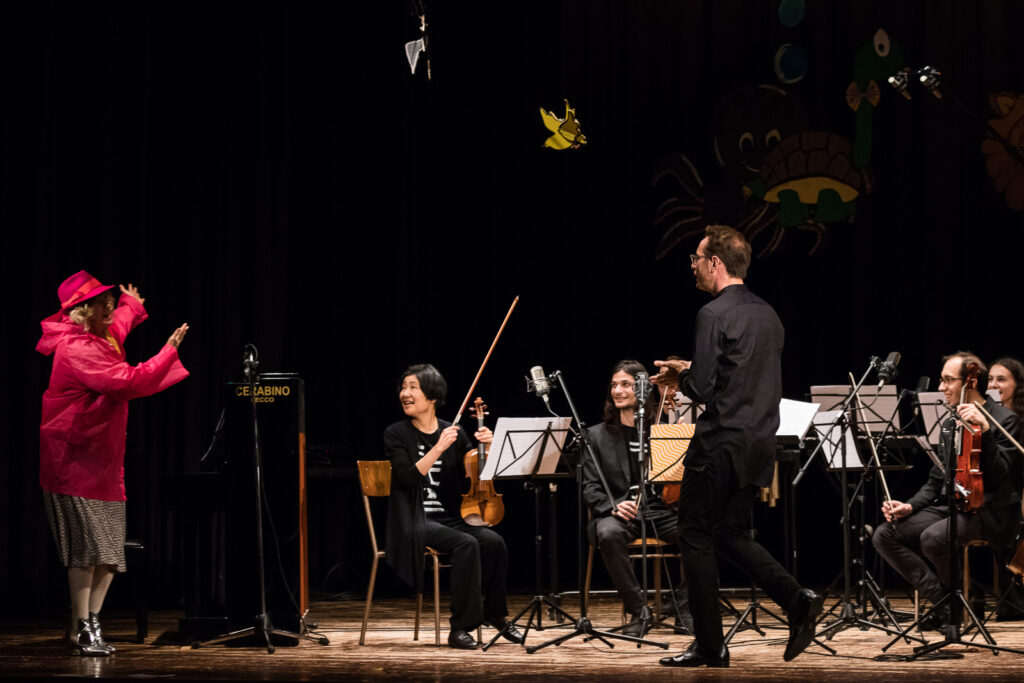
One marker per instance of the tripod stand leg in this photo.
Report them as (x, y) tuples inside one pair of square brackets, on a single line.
[(734, 629)]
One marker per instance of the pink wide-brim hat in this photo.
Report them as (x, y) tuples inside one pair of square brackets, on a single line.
[(78, 288)]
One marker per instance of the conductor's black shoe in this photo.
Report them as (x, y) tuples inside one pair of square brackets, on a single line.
[(511, 633), (640, 624), (803, 615), (692, 657), (461, 640)]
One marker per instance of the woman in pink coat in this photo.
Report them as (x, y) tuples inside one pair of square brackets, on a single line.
[(82, 437)]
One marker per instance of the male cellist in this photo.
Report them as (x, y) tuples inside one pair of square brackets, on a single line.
[(917, 529)]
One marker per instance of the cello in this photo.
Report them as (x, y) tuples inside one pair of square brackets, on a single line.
[(482, 506), (969, 485)]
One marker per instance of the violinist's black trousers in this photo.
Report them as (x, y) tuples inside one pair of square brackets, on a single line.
[(923, 534), (479, 560)]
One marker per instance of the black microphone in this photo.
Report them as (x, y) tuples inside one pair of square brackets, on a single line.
[(641, 387), (922, 386), (250, 360), (887, 371), (538, 382)]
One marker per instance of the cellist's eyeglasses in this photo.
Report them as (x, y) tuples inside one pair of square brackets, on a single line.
[(949, 380), (697, 257)]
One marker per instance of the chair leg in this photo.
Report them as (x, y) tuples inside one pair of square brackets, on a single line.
[(419, 610), (437, 603), (657, 589), (586, 585), (967, 573), (369, 600)]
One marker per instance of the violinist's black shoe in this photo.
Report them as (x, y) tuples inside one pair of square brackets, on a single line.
[(510, 633), (692, 657), (461, 640), (803, 615)]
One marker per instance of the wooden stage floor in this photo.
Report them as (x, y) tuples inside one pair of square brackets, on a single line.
[(35, 650)]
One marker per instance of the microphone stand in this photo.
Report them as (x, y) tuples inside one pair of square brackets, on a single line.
[(583, 625), (642, 389), (262, 625)]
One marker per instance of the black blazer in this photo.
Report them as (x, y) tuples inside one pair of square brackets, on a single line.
[(612, 452)]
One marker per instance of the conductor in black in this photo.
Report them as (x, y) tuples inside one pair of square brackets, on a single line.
[(736, 372)]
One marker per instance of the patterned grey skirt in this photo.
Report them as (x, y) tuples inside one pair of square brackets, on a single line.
[(88, 532)]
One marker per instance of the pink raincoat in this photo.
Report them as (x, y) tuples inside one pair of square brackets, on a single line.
[(85, 408)]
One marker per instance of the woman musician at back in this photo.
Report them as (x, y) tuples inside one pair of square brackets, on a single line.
[(1006, 375), (427, 472)]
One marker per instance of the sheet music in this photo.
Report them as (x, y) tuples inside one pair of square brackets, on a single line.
[(831, 446), (796, 417), (515, 448), (669, 444), (879, 406), (933, 412)]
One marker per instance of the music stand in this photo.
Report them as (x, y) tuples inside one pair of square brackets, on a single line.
[(525, 447), (841, 444)]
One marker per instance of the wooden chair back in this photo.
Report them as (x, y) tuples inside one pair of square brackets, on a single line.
[(375, 477), (375, 480)]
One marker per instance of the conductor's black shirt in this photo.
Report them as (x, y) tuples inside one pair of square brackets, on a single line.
[(737, 373)]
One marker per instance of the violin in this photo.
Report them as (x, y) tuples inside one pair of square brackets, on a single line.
[(969, 484), (482, 506), (670, 491)]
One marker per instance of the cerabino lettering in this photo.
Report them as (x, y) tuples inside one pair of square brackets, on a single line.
[(282, 390)]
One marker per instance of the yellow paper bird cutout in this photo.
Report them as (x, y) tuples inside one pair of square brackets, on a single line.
[(567, 133)]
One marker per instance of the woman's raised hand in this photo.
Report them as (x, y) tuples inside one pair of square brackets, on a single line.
[(176, 336)]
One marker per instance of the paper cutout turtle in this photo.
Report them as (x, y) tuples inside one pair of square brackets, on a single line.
[(746, 125), (816, 176)]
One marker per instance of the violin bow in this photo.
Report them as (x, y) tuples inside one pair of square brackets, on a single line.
[(874, 451), (661, 406), (993, 421), (479, 372)]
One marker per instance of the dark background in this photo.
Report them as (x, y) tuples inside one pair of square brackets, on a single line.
[(272, 174)]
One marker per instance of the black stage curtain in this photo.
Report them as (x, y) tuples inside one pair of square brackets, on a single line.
[(273, 174)]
